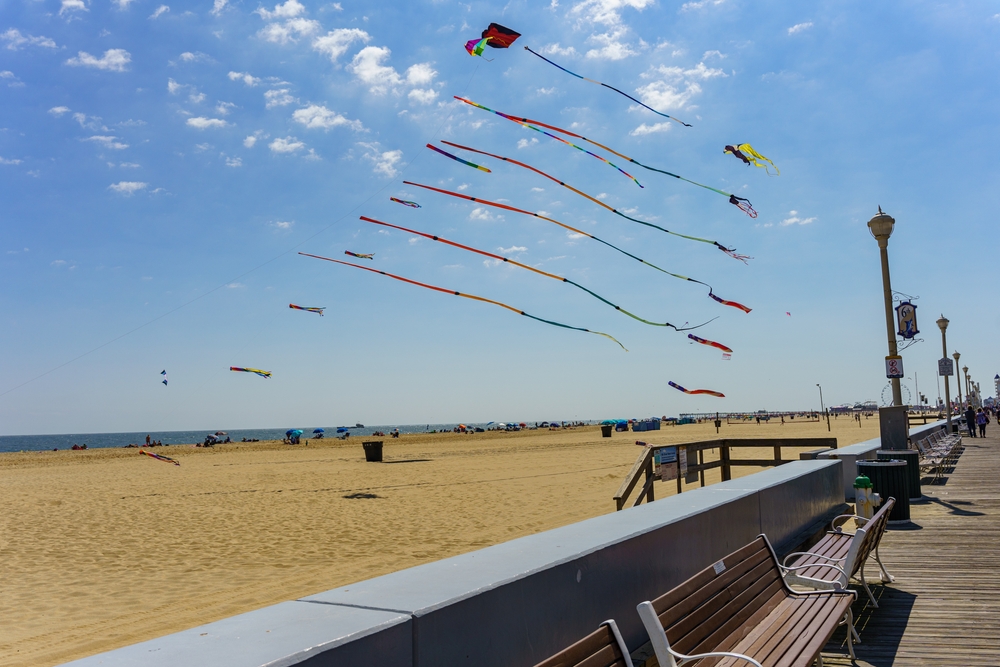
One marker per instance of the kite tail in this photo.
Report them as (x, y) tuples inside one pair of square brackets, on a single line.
[(458, 159), (743, 204), (710, 343), (566, 326), (728, 303), (696, 391), (732, 253)]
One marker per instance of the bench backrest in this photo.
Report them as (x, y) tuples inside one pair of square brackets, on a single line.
[(867, 537), (602, 648), (714, 609)]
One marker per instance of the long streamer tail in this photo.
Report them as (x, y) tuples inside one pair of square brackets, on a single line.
[(514, 209), (658, 113), (709, 392), (458, 159), (466, 296)]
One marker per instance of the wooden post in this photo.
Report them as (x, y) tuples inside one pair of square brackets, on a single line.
[(726, 469), (680, 488), (649, 480), (777, 455), (701, 462)]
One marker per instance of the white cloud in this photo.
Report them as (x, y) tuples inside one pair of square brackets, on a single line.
[(699, 4), (612, 47), (483, 215), (336, 42), (538, 189), (114, 60), (794, 219), (713, 54), (245, 77), (129, 165), (278, 98), (160, 11), (234, 162), (420, 74), (385, 161), (316, 116), (289, 31), (16, 40), (799, 27), (290, 9), (89, 122), (202, 123), (557, 50), (57, 262), (4, 160), (677, 85), (72, 6), (367, 67), (283, 224), (218, 6), (463, 186), (252, 139), (423, 96), (107, 142), (513, 250), (223, 108), (286, 145), (127, 188), (196, 97), (234, 285), (198, 56), (545, 91), (524, 143), (644, 129), (58, 111), (123, 4), (173, 87), (607, 11), (575, 235), (13, 81)]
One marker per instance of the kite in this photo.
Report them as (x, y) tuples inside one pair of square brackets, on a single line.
[(318, 311), (466, 296), (696, 391), (525, 123), (729, 251), (500, 37), (533, 269), (411, 204), (727, 356), (164, 374), (359, 255), (458, 159), (160, 457), (475, 47), (788, 313), (742, 151), (710, 343), (607, 86), (583, 233), (263, 374), (740, 202)]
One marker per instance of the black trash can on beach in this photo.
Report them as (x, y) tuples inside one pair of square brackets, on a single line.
[(889, 479), (606, 430), (373, 450), (912, 458)]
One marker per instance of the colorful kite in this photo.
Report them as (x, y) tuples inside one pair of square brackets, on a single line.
[(159, 457), (710, 343), (740, 202), (727, 356), (359, 255), (318, 311), (788, 313), (475, 47), (749, 156), (411, 204), (729, 251), (583, 233), (501, 258), (458, 159), (499, 36), (696, 391), (466, 296), (263, 374), (164, 374), (607, 86)]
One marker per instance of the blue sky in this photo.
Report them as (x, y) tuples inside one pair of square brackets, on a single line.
[(162, 163)]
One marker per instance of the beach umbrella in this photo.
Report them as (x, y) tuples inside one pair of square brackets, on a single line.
[(522, 424), (221, 433), (342, 429), (319, 430)]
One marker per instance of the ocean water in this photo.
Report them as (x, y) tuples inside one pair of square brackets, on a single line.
[(34, 443)]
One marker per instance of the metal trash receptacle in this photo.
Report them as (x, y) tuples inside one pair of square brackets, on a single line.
[(373, 450), (889, 479), (606, 430), (912, 458)]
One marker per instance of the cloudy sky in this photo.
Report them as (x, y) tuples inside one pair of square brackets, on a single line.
[(162, 163)]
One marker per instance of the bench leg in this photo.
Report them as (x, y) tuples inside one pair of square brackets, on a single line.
[(886, 577), (818, 662), (868, 590), (851, 634)]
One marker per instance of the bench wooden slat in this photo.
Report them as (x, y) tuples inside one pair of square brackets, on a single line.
[(598, 649), (764, 595)]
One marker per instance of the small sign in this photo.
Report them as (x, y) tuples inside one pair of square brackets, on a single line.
[(665, 463), (719, 567), (906, 317), (894, 367), (682, 453), (946, 367)]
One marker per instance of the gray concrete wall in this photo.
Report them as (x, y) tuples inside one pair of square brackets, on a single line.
[(515, 603)]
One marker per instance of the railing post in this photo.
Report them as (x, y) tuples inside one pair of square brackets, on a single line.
[(726, 468), (701, 463), (649, 481)]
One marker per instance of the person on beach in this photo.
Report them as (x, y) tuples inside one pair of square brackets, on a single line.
[(970, 421), (147, 440), (981, 421)]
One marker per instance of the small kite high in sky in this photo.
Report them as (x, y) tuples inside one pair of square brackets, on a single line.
[(159, 457), (263, 374), (708, 392), (312, 309), (749, 156), (658, 113), (466, 296), (164, 374), (359, 255), (411, 204)]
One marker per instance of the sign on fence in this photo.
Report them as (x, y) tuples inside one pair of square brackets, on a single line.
[(894, 367), (665, 463)]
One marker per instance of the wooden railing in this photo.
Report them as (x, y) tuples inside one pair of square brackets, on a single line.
[(643, 466)]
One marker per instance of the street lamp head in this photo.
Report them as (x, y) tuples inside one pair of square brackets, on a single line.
[(942, 323), (956, 355), (881, 226), (965, 369)]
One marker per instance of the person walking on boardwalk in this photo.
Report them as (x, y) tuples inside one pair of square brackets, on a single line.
[(970, 421), (981, 421)]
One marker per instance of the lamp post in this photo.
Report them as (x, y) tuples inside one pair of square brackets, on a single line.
[(958, 380), (823, 407), (880, 227), (968, 392), (943, 325)]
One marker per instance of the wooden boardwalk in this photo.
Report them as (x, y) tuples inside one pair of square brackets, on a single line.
[(944, 607)]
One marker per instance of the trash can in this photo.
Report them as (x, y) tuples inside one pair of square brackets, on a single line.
[(606, 430), (889, 479), (912, 458), (373, 450)]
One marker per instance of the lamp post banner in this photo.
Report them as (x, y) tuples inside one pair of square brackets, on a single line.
[(945, 367), (894, 367), (906, 316)]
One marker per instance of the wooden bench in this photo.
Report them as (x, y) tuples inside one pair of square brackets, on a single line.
[(741, 611), (839, 557), (602, 648)]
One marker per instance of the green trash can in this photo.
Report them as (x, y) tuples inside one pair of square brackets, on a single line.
[(373, 450), (890, 480), (912, 458)]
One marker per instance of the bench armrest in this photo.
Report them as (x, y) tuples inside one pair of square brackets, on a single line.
[(807, 553), (665, 655), (787, 570), (845, 517)]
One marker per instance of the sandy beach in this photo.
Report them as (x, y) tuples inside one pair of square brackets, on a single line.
[(104, 548)]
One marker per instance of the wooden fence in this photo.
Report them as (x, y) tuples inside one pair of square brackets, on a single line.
[(643, 466)]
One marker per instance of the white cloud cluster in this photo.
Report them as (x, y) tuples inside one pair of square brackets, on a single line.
[(699, 4), (284, 225), (218, 6), (107, 142), (127, 188), (15, 40), (202, 123), (72, 6), (12, 81), (557, 50), (336, 42), (293, 26), (4, 160), (513, 250), (675, 86), (317, 116), (247, 78), (160, 11), (58, 111), (286, 145), (483, 215), (252, 139), (384, 161), (799, 27), (644, 129), (234, 162), (794, 219), (113, 60), (278, 98), (195, 57), (368, 68), (123, 4), (607, 12), (612, 46)]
